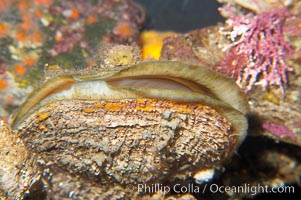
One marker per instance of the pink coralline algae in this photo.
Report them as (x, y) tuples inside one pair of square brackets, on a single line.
[(278, 130), (259, 43)]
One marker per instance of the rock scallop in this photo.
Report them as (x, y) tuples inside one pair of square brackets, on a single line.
[(152, 122)]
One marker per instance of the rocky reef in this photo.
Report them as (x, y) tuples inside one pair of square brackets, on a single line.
[(68, 34)]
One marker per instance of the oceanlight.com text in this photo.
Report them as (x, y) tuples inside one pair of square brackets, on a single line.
[(212, 188)]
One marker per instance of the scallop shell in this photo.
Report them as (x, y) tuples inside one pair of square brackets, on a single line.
[(126, 127)]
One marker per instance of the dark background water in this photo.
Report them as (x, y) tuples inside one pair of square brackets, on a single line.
[(180, 15)]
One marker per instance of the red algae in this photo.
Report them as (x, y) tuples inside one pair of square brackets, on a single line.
[(259, 42), (278, 130)]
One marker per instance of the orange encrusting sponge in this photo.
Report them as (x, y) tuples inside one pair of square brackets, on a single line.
[(152, 43)]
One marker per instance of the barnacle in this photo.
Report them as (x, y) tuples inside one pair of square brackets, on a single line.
[(148, 123)]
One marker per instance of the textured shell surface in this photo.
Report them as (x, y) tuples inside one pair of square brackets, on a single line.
[(125, 127)]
